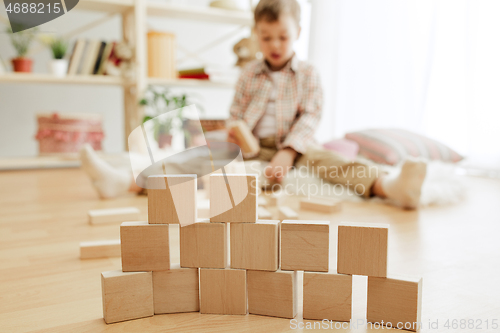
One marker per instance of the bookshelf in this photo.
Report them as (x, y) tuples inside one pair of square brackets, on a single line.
[(208, 14), (108, 6), (70, 79), (188, 83), (134, 14)]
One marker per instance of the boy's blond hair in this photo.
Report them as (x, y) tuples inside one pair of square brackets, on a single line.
[(271, 10)]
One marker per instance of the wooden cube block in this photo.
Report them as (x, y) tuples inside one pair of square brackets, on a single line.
[(264, 214), (286, 213), (275, 199), (320, 205), (235, 201), (100, 249), (176, 290), (248, 143), (327, 296), (203, 244), (395, 301), (255, 245), (113, 215), (223, 291), (172, 199), (126, 296), (305, 245), (144, 247), (362, 249), (272, 293)]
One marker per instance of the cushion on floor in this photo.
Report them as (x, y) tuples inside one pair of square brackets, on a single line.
[(392, 146)]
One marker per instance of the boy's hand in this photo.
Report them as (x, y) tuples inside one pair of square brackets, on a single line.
[(231, 137), (281, 163)]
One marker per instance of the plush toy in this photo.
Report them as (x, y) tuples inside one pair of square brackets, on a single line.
[(246, 50), (120, 61)]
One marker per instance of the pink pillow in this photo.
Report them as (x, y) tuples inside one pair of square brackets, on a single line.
[(344, 147), (391, 146)]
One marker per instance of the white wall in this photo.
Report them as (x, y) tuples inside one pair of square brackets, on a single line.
[(427, 66)]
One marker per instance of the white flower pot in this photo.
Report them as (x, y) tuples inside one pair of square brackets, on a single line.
[(59, 67)]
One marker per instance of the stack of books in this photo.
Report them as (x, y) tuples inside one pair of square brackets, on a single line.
[(89, 57), (194, 73), (214, 73)]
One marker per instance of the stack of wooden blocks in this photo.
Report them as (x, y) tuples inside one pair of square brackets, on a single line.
[(265, 256)]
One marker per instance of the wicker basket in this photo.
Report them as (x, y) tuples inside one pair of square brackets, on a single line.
[(66, 133)]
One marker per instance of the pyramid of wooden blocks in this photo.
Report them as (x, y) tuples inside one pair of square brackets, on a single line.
[(203, 244), (305, 245), (272, 293), (176, 290), (320, 205), (327, 296), (255, 245), (144, 247), (223, 291), (265, 257), (126, 296), (233, 198), (172, 199), (362, 249), (395, 301)]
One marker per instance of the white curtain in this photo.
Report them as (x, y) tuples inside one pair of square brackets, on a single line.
[(431, 66)]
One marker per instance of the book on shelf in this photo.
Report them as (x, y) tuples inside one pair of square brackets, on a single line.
[(197, 73), (202, 76), (81, 63), (76, 55), (99, 58), (108, 48), (215, 73), (90, 57), (192, 71)]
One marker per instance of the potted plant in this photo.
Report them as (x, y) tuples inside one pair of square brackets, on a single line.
[(59, 46), (160, 101), (21, 41)]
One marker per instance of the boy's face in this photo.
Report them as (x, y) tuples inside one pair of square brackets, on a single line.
[(276, 40)]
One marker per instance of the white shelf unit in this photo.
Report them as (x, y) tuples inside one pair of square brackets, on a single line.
[(134, 14), (108, 6), (70, 79), (208, 14), (189, 83)]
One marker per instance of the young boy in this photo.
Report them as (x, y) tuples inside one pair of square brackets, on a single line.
[(280, 99)]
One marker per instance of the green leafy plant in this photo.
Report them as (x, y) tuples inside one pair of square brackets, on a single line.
[(58, 46), (22, 40), (159, 101)]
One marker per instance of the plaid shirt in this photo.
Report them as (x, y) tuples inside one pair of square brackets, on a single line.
[(299, 101)]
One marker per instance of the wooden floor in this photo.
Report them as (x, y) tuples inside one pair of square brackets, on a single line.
[(45, 287)]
